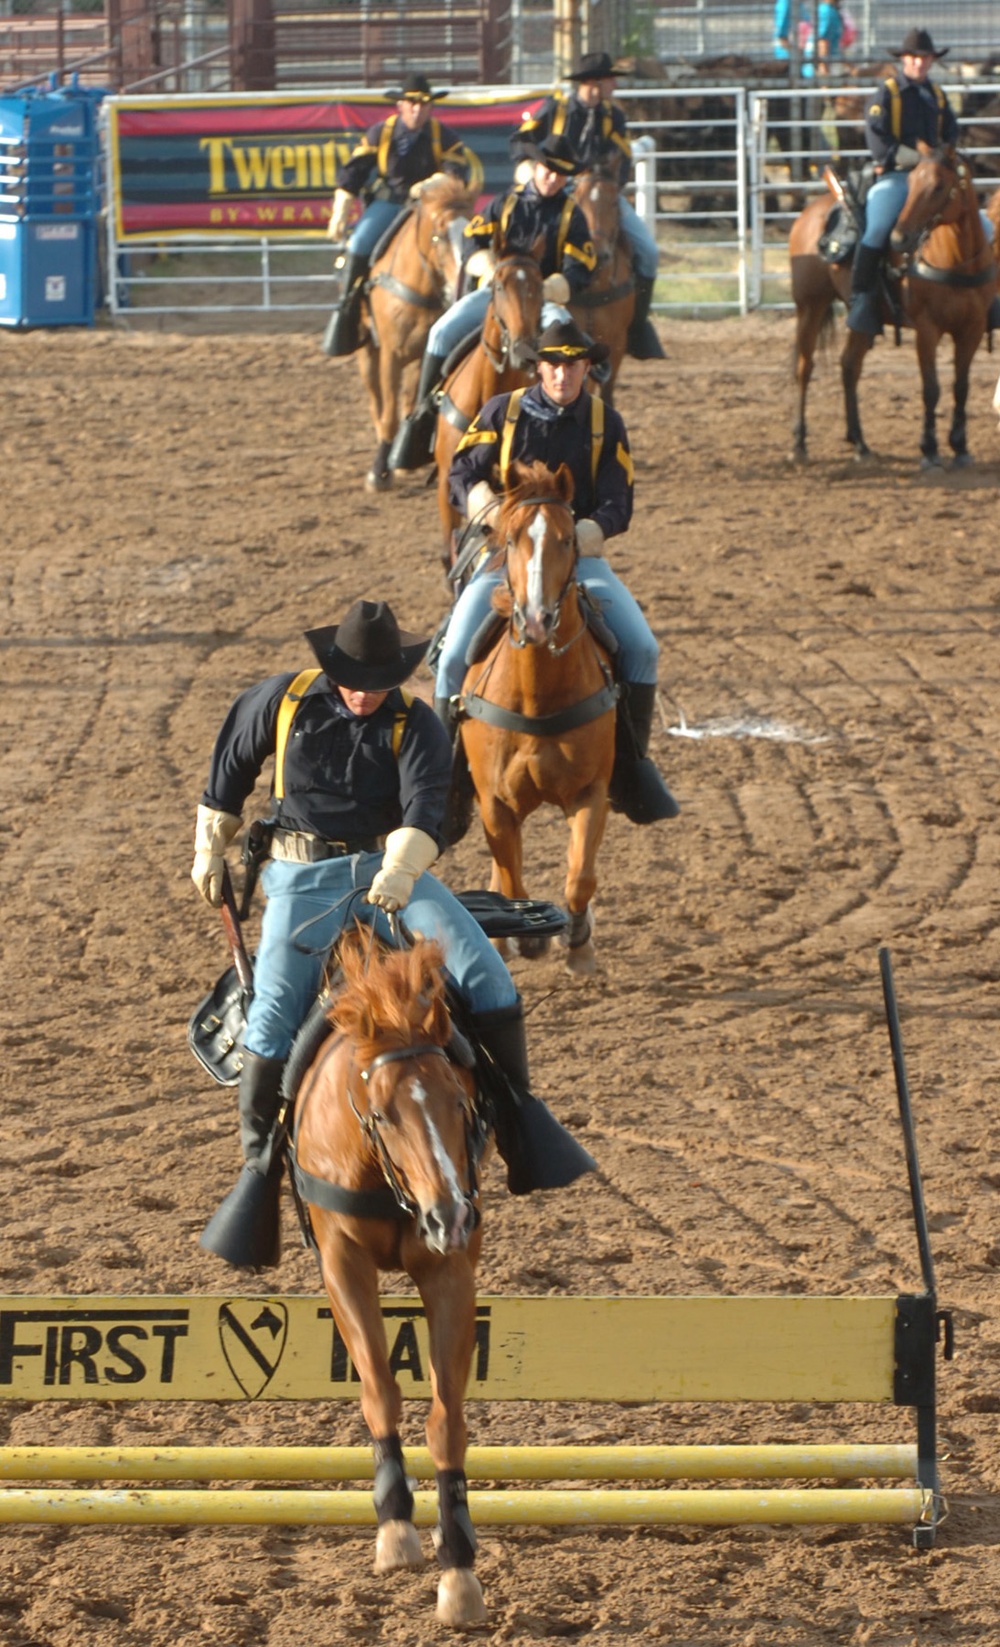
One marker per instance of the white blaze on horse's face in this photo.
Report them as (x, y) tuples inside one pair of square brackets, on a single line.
[(536, 626), (440, 1237)]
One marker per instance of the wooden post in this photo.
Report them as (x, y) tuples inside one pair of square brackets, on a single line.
[(251, 45)]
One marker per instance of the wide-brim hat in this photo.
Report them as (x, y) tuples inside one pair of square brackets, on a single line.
[(594, 65), (564, 340), (918, 43), (556, 153), (368, 652), (416, 88)]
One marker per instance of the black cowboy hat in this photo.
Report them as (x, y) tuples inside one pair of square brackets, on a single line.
[(918, 43), (368, 652), (594, 65), (564, 340), (556, 153), (416, 88)]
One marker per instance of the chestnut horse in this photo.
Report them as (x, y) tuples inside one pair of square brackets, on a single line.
[(502, 360), (386, 1130), (606, 306), (948, 277), (410, 285), (539, 710)]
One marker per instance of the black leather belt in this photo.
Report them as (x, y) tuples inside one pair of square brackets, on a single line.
[(295, 846)]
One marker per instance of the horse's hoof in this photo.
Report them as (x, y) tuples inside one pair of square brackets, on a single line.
[(530, 946), (460, 1603), (397, 1547), (581, 961), (962, 460), (931, 462), (378, 482)]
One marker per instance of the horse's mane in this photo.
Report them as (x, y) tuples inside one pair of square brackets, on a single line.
[(445, 190), (396, 992), (530, 482)]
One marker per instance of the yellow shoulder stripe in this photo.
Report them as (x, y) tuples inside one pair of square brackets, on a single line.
[(625, 459), (475, 437), (399, 720)]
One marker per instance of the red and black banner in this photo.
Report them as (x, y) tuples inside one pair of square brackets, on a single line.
[(265, 165)]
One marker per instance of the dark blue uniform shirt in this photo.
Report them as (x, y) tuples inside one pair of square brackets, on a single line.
[(515, 223), (406, 158), (550, 434), (341, 778), (597, 137), (925, 115)]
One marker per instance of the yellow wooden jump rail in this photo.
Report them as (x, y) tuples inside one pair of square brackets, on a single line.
[(270, 1348)]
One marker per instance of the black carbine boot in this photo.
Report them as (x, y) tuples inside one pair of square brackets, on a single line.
[(412, 447), (636, 786), (539, 1152), (864, 313), (246, 1230), (341, 335), (462, 794), (643, 340)]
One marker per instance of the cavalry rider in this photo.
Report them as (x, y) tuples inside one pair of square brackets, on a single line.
[(908, 109), (595, 128), (536, 217), (558, 421), (361, 779), (389, 161)]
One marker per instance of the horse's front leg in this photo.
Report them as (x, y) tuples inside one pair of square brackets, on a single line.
[(587, 821), (966, 344), (928, 338), (851, 362), (378, 477), (447, 1287), (351, 1280)]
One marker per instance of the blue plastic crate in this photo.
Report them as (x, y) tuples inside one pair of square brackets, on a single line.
[(48, 271)]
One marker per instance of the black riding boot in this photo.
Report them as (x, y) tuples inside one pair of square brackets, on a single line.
[(341, 335), (539, 1152), (864, 314), (412, 447), (462, 794), (643, 340), (246, 1230), (636, 786)]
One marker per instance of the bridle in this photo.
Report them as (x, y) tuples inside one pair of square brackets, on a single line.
[(371, 1121), (518, 616), (500, 360)]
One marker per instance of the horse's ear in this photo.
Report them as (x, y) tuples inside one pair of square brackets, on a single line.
[(517, 474), (564, 482)]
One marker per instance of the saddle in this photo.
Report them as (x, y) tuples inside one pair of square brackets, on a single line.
[(845, 221), (593, 617)]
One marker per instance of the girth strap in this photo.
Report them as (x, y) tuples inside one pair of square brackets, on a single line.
[(407, 294), (589, 299), (948, 277), (542, 726)]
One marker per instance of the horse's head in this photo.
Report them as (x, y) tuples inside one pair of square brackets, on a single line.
[(443, 207), (537, 529), (597, 195), (940, 191), (414, 1105), (515, 316)]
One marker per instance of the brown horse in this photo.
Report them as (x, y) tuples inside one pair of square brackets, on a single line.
[(946, 286), (410, 285), (540, 709), (502, 360), (606, 306), (387, 1131)]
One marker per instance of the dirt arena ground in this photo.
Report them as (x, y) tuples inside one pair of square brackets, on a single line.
[(176, 510)]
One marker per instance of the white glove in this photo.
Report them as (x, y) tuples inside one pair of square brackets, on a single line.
[(996, 398), (482, 504), (408, 852), (481, 264), (589, 537), (417, 189), (342, 203), (906, 158), (555, 288), (213, 833), (524, 171)]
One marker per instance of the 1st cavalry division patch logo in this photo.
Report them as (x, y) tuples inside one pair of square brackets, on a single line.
[(253, 1333)]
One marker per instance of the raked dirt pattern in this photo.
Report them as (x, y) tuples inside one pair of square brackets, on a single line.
[(176, 510)]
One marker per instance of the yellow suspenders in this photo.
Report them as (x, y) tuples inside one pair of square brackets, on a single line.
[(507, 209), (385, 143), (896, 106), (286, 714), (512, 414)]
